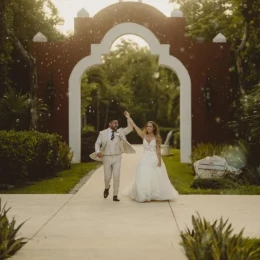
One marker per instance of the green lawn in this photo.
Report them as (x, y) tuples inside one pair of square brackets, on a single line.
[(61, 184), (181, 176)]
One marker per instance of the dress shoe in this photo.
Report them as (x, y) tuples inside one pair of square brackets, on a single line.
[(115, 198), (106, 192)]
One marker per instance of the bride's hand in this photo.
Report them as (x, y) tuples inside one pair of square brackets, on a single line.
[(127, 115), (159, 164)]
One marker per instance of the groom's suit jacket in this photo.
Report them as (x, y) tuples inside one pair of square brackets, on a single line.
[(102, 140)]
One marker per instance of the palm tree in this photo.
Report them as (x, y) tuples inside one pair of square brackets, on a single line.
[(97, 75), (13, 106), (41, 111)]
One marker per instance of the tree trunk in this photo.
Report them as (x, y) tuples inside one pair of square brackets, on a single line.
[(5, 64), (239, 62), (29, 59), (85, 120), (98, 109), (3, 5), (106, 118), (156, 102)]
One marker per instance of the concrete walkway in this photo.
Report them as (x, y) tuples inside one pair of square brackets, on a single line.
[(87, 226)]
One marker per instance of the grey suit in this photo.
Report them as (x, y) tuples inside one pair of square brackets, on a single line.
[(112, 150)]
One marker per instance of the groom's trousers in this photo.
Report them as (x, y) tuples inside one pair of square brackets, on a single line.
[(112, 165)]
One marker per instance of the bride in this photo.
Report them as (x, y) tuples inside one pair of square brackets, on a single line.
[(151, 180)]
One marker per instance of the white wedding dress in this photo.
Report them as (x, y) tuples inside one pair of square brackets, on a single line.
[(151, 182)]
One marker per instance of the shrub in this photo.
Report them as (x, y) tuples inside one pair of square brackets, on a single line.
[(251, 175), (177, 140), (9, 244), (220, 183), (215, 241), (30, 155), (201, 151), (65, 157), (247, 159), (88, 129)]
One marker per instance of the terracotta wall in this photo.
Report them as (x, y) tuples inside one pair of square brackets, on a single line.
[(200, 59)]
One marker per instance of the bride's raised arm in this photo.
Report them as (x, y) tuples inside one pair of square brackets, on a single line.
[(137, 129)]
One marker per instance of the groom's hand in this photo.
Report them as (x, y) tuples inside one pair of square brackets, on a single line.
[(99, 155), (127, 115)]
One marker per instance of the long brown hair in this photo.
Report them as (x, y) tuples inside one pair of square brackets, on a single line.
[(156, 132)]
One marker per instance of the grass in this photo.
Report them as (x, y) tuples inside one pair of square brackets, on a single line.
[(61, 184), (181, 176)]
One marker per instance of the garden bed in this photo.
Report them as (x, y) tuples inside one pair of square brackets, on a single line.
[(182, 176)]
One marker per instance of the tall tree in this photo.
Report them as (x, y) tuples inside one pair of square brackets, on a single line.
[(20, 21), (96, 75), (239, 21), (5, 49), (129, 72)]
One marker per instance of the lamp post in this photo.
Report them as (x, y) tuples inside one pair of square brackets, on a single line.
[(156, 76)]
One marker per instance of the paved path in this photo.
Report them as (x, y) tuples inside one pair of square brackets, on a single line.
[(86, 226)]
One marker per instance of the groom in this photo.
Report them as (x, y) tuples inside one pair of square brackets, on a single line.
[(110, 144)]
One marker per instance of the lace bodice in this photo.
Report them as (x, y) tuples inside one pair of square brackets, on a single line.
[(149, 147)]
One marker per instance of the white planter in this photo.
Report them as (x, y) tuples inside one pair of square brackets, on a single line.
[(165, 149)]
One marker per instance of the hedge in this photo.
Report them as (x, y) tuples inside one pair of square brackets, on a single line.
[(30, 155)]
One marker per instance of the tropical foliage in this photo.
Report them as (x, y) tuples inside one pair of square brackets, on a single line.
[(9, 243), (216, 241), (239, 21), (127, 80), (15, 108), (19, 23)]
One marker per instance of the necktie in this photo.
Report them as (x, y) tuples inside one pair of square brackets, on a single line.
[(113, 135)]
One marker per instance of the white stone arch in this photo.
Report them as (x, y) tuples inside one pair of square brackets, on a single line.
[(165, 59)]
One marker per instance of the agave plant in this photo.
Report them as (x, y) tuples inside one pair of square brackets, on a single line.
[(9, 244), (216, 242)]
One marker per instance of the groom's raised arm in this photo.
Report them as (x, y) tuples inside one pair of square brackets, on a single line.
[(128, 129)]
